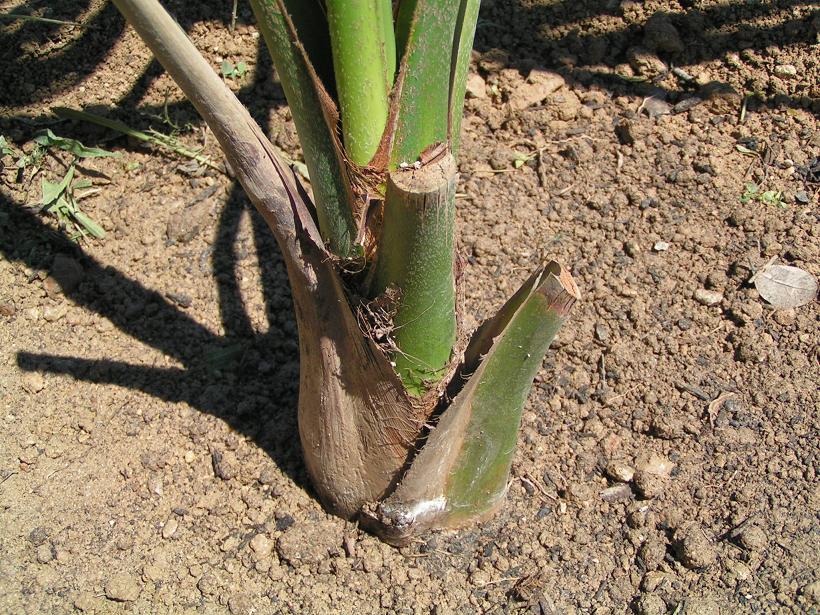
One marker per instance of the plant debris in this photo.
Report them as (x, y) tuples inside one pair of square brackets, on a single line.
[(785, 286)]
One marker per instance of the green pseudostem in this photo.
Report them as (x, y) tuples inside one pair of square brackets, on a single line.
[(418, 262), (361, 35)]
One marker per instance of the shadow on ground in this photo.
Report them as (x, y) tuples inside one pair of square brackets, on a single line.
[(229, 364), (218, 372)]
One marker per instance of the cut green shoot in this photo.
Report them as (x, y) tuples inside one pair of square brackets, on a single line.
[(418, 229), (461, 473)]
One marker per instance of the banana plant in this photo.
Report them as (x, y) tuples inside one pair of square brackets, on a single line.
[(407, 422)]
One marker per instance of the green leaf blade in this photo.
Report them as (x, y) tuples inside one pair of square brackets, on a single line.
[(51, 191), (88, 224), (47, 139)]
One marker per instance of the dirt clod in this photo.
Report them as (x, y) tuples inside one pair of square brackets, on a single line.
[(261, 546), (812, 592), (85, 601), (539, 85), (225, 464), (754, 538), (123, 587), (650, 604), (45, 553), (34, 382), (66, 272), (302, 545), (693, 547), (661, 34), (38, 535), (649, 485), (652, 552)]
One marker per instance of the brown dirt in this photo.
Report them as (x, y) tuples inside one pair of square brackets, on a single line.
[(149, 460)]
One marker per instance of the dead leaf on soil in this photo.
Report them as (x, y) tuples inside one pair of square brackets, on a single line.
[(785, 286), (655, 107), (714, 407)]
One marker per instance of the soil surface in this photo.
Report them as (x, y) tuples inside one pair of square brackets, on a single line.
[(149, 459)]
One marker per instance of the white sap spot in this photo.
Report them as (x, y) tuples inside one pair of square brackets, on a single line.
[(426, 507)]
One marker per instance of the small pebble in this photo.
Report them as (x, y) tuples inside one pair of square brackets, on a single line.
[(261, 545), (476, 87), (155, 485), (616, 493), (660, 246), (170, 528), (620, 471), (189, 456), (53, 313), (708, 298), (7, 308), (181, 299), (225, 464), (657, 464), (785, 70)]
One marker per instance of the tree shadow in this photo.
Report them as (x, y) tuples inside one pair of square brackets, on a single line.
[(42, 60), (568, 36), (247, 379), (561, 35), (221, 375)]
